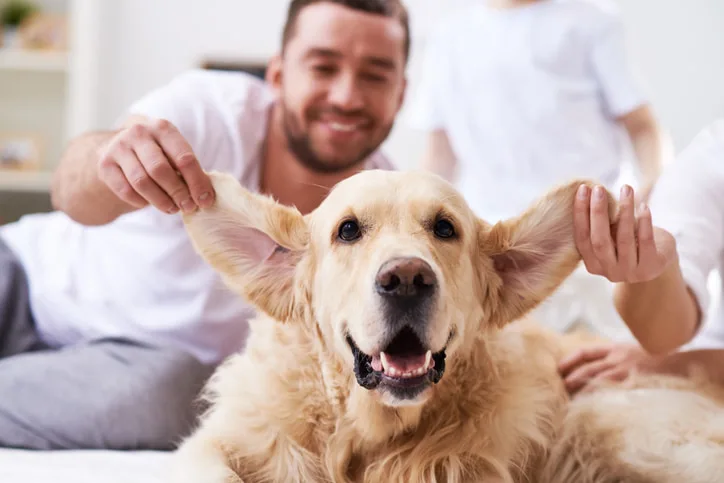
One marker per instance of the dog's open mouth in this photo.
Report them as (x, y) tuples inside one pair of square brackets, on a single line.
[(404, 363)]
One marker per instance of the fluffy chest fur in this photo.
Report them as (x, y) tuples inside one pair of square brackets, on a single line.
[(291, 412)]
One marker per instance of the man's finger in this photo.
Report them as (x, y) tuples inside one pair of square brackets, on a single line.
[(182, 157), (112, 175), (159, 168), (142, 183)]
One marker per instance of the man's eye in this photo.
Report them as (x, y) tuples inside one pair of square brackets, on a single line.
[(324, 69), (374, 77)]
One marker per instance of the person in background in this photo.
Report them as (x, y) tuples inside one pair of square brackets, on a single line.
[(110, 323), (661, 259), (518, 96)]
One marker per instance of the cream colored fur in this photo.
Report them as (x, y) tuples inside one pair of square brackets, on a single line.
[(288, 409), (648, 429)]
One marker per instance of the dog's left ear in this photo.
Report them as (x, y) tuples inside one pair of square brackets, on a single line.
[(532, 254), (254, 242)]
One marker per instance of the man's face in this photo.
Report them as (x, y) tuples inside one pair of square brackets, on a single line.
[(341, 83)]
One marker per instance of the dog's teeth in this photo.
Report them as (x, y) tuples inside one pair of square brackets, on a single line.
[(428, 360), (385, 363), (420, 371)]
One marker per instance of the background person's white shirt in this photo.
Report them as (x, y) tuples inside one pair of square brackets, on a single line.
[(688, 201), (528, 97), (139, 276)]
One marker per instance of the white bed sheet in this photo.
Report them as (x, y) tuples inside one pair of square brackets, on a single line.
[(19, 466)]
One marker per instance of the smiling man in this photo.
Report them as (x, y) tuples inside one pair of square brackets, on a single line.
[(109, 321)]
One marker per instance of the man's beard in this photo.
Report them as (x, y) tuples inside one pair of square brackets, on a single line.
[(300, 144)]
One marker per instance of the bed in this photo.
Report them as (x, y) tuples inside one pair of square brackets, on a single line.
[(19, 466)]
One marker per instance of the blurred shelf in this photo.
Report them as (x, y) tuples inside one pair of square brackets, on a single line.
[(25, 181), (32, 60)]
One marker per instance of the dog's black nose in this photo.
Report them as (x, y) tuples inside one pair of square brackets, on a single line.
[(406, 278)]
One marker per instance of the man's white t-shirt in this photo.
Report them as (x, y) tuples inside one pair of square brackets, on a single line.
[(139, 276), (528, 97), (688, 201)]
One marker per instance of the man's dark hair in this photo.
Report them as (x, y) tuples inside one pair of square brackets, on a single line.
[(388, 8)]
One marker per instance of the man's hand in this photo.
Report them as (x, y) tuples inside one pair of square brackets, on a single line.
[(582, 369), (150, 162), (632, 250)]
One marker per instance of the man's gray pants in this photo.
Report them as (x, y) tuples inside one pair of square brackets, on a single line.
[(104, 394)]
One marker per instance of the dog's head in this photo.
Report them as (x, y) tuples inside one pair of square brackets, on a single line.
[(395, 269)]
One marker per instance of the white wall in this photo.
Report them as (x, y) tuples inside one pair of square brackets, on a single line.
[(678, 48)]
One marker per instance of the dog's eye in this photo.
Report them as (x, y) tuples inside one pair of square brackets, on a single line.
[(444, 229), (349, 231)]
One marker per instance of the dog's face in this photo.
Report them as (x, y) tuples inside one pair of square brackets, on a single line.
[(394, 268), (395, 278)]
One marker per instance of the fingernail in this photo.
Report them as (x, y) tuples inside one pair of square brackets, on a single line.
[(188, 206), (643, 208), (172, 211), (205, 199), (625, 191), (598, 193), (583, 192)]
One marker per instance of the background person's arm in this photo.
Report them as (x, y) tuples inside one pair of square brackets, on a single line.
[(648, 142), (429, 109), (439, 156), (625, 101)]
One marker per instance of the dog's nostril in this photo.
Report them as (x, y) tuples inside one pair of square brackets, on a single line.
[(393, 284), (420, 281)]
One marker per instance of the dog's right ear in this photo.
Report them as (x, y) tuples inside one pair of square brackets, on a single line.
[(254, 242)]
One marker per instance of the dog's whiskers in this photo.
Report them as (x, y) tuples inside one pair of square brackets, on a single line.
[(315, 185)]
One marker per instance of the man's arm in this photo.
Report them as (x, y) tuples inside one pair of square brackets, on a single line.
[(648, 143), (106, 174), (76, 188), (439, 156)]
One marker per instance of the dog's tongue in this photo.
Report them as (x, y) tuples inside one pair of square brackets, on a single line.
[(409, 365)]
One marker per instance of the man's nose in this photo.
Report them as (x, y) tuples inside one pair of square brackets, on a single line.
[(346, 94)]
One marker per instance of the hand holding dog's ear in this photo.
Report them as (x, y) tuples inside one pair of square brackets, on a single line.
[(536, 251), (628, 250)]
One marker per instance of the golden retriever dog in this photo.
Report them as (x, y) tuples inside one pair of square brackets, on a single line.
[(647, 429), (391, 344)]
